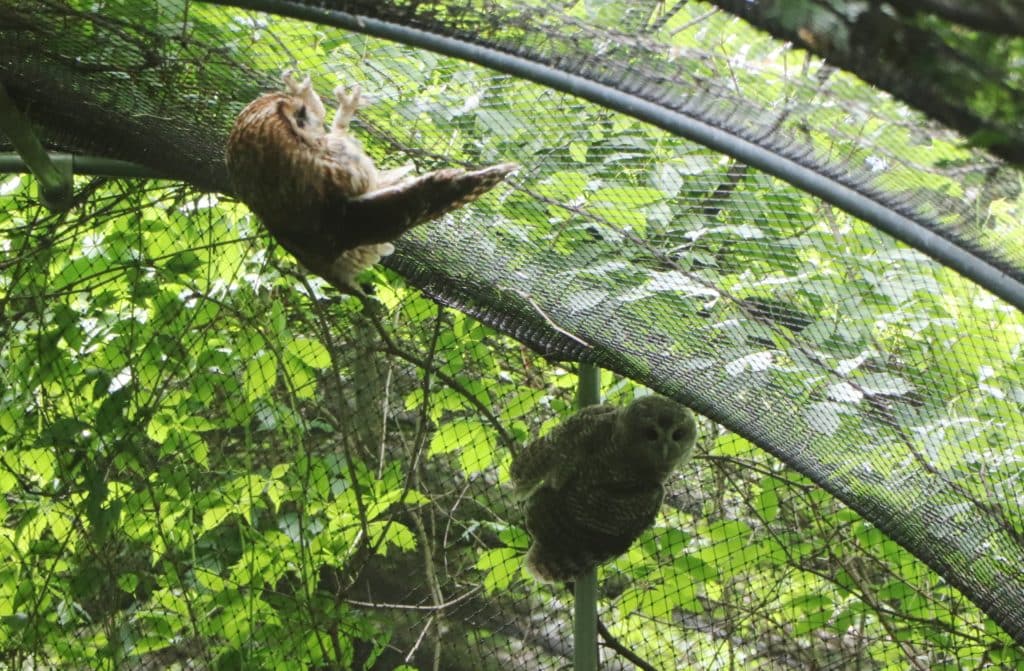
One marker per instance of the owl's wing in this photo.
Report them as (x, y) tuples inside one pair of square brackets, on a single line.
[(384, 214), (585, 524), (555, 457), (620, 510)]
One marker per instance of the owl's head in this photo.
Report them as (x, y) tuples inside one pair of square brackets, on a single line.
[(660, 431), (304, 120), (262, 121)]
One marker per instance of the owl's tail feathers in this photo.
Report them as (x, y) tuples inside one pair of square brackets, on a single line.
[(384, 214), (456, 187), (553, 567)]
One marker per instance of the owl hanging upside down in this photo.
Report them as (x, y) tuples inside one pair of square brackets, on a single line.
[(321, 196), (595, 482)]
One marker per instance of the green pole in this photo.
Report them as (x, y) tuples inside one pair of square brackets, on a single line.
[(585, 601), (83, 165), (54, 178)]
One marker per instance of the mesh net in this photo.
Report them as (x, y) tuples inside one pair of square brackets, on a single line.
[(211, 461)]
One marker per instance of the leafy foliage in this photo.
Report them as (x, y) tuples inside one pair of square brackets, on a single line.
[(210, 461), (187, 474)]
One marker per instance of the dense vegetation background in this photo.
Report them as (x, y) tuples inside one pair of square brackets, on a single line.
[(210, 460)]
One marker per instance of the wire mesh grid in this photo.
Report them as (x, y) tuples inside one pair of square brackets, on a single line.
[(212, 461), (210, 464)]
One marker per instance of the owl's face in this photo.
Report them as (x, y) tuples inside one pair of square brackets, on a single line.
[(660, 432), (303, 119), (271, 154), (280, 118)]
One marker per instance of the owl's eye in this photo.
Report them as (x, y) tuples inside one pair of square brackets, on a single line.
[(678, 434), (651, 434), (301, 117)]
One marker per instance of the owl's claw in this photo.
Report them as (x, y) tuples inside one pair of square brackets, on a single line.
[(296, 88), (348, 103), (304, 91), (348, 99)]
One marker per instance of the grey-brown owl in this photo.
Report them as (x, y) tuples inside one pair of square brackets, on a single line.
[(321, 196), (595, 482)]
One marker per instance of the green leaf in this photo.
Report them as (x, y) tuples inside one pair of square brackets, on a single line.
[(732, 445), (627, 196), (395, 533), (727, 537), (311, 352), (563, 186), (215, 515), (521, 404), (184, 263), (622, 217), (195, 446), (299, 377), (391, 497), (39, 463), (885, 383), (211, 581), (578, 151), (499, 566), (7, 422), (808, 611), (78, 270), (514, 537), (278, 322), (260, 375), (248, 344), (653, 602), (476, 457), (767, 502), (128, 582), (460, 433)]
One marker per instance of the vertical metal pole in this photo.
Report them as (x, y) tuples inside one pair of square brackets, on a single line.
[(585, 606)]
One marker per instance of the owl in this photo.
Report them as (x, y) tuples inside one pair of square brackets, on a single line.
[(594, 483), (321, 196)]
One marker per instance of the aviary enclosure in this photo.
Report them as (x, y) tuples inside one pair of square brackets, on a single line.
[(799, 218)]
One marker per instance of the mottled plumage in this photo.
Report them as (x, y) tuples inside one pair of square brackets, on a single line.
[(594, 483), (321, 196)]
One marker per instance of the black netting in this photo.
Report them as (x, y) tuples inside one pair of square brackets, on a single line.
[(803, 110), (952, 60), (224, 465)]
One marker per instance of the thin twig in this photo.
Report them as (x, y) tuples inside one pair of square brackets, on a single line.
[(613, 643), (390, 347), (691, 23), (550, 321), (419, 639), (406, 606)]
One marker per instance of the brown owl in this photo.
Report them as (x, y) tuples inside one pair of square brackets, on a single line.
[(595, 482), (321, 196)]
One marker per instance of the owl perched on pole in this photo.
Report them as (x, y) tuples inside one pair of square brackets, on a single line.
[(321, 196), (595, 482)]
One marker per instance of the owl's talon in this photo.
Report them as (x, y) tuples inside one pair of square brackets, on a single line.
[(348, 102), (295, 88), (348, 97)]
